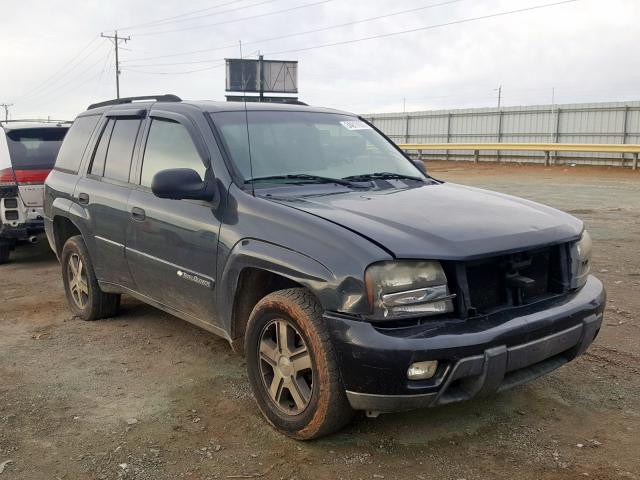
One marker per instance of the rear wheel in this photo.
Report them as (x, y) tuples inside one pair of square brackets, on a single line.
[(292, 367), (84, 296)]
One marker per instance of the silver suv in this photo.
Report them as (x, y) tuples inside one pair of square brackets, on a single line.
[(28, 151)]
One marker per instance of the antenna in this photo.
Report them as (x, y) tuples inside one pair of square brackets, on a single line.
[(246, 119)]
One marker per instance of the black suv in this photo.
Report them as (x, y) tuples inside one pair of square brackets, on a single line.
[(350, 278)]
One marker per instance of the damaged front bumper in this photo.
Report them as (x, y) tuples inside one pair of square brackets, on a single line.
[(476, 356)]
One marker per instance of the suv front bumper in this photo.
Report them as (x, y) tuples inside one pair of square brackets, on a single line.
[(476, 356)]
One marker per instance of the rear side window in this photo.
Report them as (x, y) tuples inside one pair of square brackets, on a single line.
[(169, 145), (34, 148), (112, 157), (120, 151), (97, 166), (75, 143)]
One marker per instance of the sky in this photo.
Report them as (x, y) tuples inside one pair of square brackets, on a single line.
[(53, 62)]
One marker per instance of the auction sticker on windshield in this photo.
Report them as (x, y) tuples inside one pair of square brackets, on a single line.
[(355, 125)]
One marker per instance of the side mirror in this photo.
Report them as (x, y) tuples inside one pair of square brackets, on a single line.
[(420, 165), (182, 183)]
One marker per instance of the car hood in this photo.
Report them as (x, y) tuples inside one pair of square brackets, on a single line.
[(441, 221)]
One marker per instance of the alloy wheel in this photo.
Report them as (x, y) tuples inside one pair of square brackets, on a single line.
[(286, 367), (77, 279)]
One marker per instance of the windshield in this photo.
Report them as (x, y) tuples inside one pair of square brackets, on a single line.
[(303, 144), (34, 148)]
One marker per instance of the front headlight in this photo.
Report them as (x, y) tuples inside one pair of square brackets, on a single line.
[(581, 261), (407, 288)]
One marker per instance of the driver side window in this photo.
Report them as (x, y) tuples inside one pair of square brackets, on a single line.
[(169, 145)]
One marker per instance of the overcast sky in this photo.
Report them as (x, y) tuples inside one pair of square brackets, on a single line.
[(53, 63)]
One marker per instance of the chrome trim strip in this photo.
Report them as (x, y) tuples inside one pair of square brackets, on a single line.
[(106, 240), (172, 265), (390, 299)]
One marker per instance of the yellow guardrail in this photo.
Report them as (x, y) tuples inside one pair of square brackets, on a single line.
[(634, 149)]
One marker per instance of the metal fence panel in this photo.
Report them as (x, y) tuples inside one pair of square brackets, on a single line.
[(609, 122)]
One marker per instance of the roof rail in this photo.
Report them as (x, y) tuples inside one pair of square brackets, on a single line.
[(167, 97)]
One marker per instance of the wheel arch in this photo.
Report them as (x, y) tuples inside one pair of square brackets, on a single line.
[(66, 219), (63, 229), (256, 268)]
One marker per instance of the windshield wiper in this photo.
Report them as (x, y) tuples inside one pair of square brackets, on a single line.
[(307, 178), (383, 176)]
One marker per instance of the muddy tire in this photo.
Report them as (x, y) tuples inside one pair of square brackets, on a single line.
[(84, 296), (292, 367)]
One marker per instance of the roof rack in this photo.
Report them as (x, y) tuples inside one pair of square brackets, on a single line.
[(167, 97), (35, 120), (11, 124)]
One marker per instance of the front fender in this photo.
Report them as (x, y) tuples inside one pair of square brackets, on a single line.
[(333, 293)]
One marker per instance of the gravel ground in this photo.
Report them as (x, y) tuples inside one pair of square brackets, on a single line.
[(145, 395)]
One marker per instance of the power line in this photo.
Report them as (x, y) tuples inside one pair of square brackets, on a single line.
[(427, 27), (168, 19), (413, 30), (55, 85), (196, 27), (98, 88), (280, 37), (175, 73), (77, 86), (72, 80), (63, 68), (263, 2)]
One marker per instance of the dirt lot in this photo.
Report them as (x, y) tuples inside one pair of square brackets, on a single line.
[(146, 395)]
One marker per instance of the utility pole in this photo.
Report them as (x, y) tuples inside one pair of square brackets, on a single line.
[(261, 76), (6, 110), (553, 107), (116, 39), (499, 89)]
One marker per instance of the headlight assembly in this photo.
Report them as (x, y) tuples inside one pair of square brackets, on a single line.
[(581, 261), (407, 288)]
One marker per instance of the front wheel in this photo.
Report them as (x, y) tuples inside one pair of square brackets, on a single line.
[(84, 296), (292, 367)]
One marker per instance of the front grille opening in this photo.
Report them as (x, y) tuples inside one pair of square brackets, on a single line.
[(511, 280), (11, 215), (538, 270), (486, 285)]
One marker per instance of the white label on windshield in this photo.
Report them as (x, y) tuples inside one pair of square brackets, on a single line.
[(355, 125)]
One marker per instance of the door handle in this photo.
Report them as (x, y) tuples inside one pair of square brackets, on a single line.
[(83, 199), (138, 213)]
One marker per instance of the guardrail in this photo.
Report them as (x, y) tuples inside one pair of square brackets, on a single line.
[(547, 148)]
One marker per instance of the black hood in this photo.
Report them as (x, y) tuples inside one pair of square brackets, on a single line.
[(442, 221)]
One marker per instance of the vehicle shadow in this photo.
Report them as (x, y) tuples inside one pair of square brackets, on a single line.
[(28, 253), (458, 423)]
